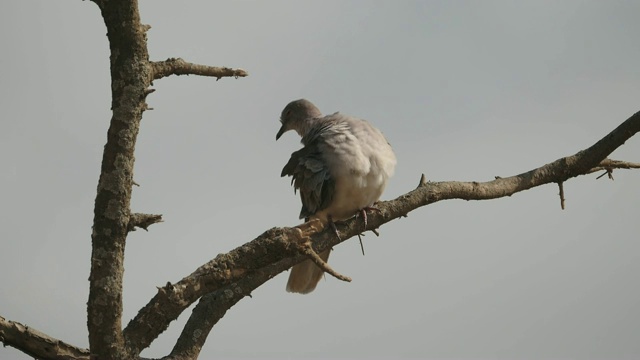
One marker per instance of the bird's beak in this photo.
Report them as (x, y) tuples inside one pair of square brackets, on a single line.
[(280, 132)]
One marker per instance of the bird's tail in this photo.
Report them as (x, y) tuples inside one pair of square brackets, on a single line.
[(305, 276)]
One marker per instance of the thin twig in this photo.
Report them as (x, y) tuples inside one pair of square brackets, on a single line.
[(361, 245), (307, 250), (607, 165), (561, 187)]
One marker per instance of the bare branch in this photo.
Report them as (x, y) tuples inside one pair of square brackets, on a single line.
[(273, 249), (304, 246), (615, 164), (269, 248), (131, 76), (143, 221), (39, 345), (561, 193), (212, 307), (608, 165), (313, 256), (177, 66)]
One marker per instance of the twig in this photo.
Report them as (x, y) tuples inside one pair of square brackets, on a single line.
[(177, 66), (307, 249), (606, 172), (561, 187), (143, 221), (361, 245), (607, 165)]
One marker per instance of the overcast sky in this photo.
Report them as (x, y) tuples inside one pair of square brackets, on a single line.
[(463, 90)]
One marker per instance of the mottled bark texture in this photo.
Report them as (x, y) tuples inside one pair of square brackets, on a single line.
[(36, 344), (177, 66), (143, 221), (130, 77)]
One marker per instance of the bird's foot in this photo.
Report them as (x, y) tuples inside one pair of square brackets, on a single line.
[(309, 227), (332, 224), (363, 212)]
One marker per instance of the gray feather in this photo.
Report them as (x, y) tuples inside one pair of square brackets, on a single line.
[(311, 177)]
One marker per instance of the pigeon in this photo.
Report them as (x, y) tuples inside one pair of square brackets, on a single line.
[(341, 171)]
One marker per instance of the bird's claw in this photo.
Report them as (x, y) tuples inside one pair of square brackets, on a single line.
[(332, 224), (363, 212)]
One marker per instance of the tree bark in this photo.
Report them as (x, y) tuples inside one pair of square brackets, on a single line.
[(130, 77)]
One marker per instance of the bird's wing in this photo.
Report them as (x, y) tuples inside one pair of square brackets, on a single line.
[(311, 177)]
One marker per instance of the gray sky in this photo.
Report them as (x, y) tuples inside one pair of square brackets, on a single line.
[(463, 90)]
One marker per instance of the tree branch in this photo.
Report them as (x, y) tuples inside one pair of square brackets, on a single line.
[(269, 248), (212, 307), (615, 164), (608, 165), (34, 343), (273, 251), (143, 221), (177, 66), (561, 194), (130, 77)]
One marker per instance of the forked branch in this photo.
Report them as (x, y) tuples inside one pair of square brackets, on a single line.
[(270, 254), (230, 277)]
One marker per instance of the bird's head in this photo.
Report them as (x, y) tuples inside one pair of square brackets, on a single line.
[(296, 116)]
